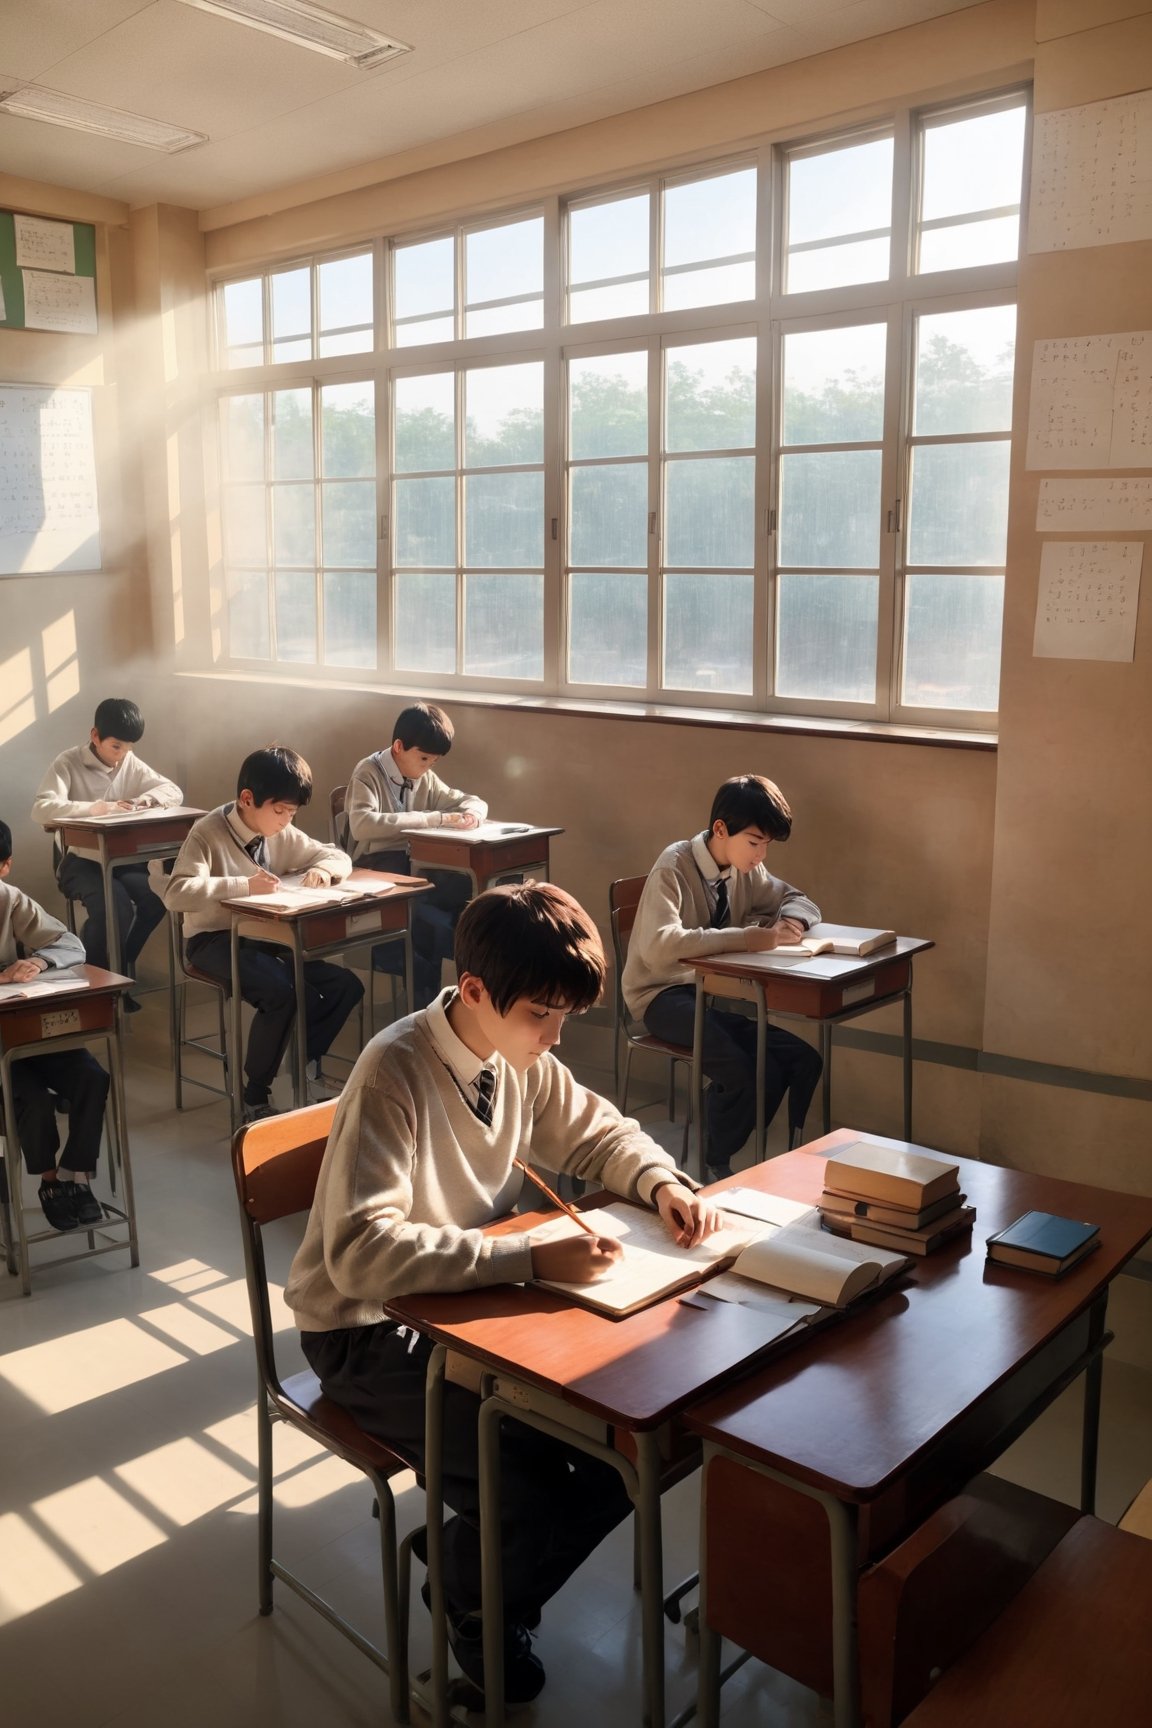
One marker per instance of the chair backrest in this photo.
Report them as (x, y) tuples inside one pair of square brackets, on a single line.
[(275, 1166), (337, 821), (623, 899)]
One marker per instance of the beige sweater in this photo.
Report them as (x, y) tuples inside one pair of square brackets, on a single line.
[(674, 919), (212, 866), (411, 1176), (26, 930), (374, 819), (78, 779)]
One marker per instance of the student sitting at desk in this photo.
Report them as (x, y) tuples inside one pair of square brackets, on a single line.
[(31, 943), (712, 895), (395, 791), (95, 779), (419, 1160), (245, 848)]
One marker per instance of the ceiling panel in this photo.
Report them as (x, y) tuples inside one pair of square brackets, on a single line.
[(37, 152), (35, 34)]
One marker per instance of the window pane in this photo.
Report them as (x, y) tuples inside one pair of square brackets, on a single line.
[(426, 621), (711, 396), (622, 300), (504, 520), (608, 405), (495, 320), (504, 415), (608, 627), (830, 508), (424, 278), (842, 191), (244, 313), (292, 435), (348, 430), (245, 532), (826, 637), (425, 411), (350, 523), (607, 241), (345, 291), (708, 633), (426, 330), (349, 618), (294, 524), (248, 636), (244, 437), (713, 218), (715, 287), (952, 641), (291, 304), (239, 357), (300, 348), (426, 521), (710, 511), (973, 164), (838, 266), (295, 615), (964, 370), (834, 385), (959, 506), (347, 342), (971, 243), (506, 261), (504, 626), (610, 515)]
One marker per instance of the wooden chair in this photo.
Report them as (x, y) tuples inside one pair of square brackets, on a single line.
[(623, 900), (275, 1164)]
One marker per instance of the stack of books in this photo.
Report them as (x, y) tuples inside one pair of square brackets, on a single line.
[(906, 1201)]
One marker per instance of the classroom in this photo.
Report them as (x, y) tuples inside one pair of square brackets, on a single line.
[(669, 391)]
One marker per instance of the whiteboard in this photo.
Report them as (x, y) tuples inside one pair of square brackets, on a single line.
[(49, 517)]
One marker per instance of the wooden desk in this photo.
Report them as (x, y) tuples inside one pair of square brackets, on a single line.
[(133, 837), (826, 988), (848, 1441), (66, 1020), (314, 933), (486, 854)]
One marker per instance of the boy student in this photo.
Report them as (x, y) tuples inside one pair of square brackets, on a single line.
[(712, 895), (395, 791), (419, 1160), (95, 779), (245, 848), (32, 943)]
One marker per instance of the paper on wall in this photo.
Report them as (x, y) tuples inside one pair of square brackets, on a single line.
[(44, 245), (1093, 506), (1088, 600), (1091, 402), (63, 303), (1092, 174)]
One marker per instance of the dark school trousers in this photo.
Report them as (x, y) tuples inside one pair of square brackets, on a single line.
[(434, 920), (729, 1060), (330, 994), (556, 1503), (37, 1082), (137, 910)]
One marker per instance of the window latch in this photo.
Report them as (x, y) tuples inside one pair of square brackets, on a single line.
[(894, 517)]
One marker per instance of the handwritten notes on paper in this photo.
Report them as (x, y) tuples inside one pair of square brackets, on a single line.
[(64, 303), (1088, 599), (1094, 506), (48, 502), (1091, 403), (44, 245), (1092, 174)]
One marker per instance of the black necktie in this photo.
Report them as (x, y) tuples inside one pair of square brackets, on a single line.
[(257, 850), (721, 915), (405, 788), (485, 1087)]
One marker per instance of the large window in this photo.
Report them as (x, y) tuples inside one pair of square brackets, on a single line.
[(736, 435)]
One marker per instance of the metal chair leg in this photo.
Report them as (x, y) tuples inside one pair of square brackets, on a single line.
[(627, 1072)]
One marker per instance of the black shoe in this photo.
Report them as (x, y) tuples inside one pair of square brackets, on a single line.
[(86, 1208), (523, 1672), (57, 1206), (532, 1616), (131, 1006)]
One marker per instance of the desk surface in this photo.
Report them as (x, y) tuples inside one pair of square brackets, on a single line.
[(824, 966), (403, 888), (853, 1410), (97, 983), (487, 834), (118, 821)]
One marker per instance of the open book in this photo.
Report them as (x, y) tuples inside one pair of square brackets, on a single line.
[(48, 984), (843, 939), (291, 897), (145, 813), (653, 1266), (803, 1260)]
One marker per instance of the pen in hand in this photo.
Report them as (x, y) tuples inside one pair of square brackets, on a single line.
[(554, 1197)]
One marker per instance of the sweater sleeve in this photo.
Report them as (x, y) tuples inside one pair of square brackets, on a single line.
[(54, 801), (192, 884), (440, 797), (293, 850), (577, 1131), (773, 899), (39, 934), (661, 939), (366, 816), (144, 782)]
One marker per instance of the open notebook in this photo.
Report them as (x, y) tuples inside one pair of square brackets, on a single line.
[(48, 984), (291, 897)]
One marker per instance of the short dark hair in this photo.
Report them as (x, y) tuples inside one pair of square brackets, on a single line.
[(275, 775), (751, 801), (5, 842), (424, 727), (531, 939), (116, 717)]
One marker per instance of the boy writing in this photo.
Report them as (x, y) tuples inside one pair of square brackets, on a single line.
[(395, 791), (245, 848), (95, 779), (419, 1160), (32, 943), (713, 895)]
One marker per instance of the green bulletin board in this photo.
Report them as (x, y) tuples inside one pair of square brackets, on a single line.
[(11, 279)]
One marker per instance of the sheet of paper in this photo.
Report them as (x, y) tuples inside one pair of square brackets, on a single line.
[(1091, 402), (1092, 174), (3, 313), (652, 1260), (786, 1311), (1094, 506), (44, 245), (63, 303), (1088, 599), (48, 501), (768, 1208), (38, 987), (152, 813)]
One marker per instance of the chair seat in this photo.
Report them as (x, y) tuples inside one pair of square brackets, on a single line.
[(649, 1041), (304, 1404), (199, 977)]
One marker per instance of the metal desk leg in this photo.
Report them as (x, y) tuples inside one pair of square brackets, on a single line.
[(826, 1080), (651, 1576), (237, 1076), (761, 1067), (120, 1124), (1090, 1432), (845, 1673), (708, 1670), (698, 1079), (409, 998), (113, 935), (14, 1163), (300, 1078), (175, 1003), (907, 1061), (434, 1515), (490, 1416)]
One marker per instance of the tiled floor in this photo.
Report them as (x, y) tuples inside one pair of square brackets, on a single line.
[(127, 1472)]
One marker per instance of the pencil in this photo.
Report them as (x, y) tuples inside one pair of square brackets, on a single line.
[(555, 1198)]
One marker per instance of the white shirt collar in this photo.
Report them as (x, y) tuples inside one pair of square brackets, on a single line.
[(463, 1063), (706, 864), (243, 833)]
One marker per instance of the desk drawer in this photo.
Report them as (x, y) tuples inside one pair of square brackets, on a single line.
[(820, 998), (56, 1019), (353, 922)]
